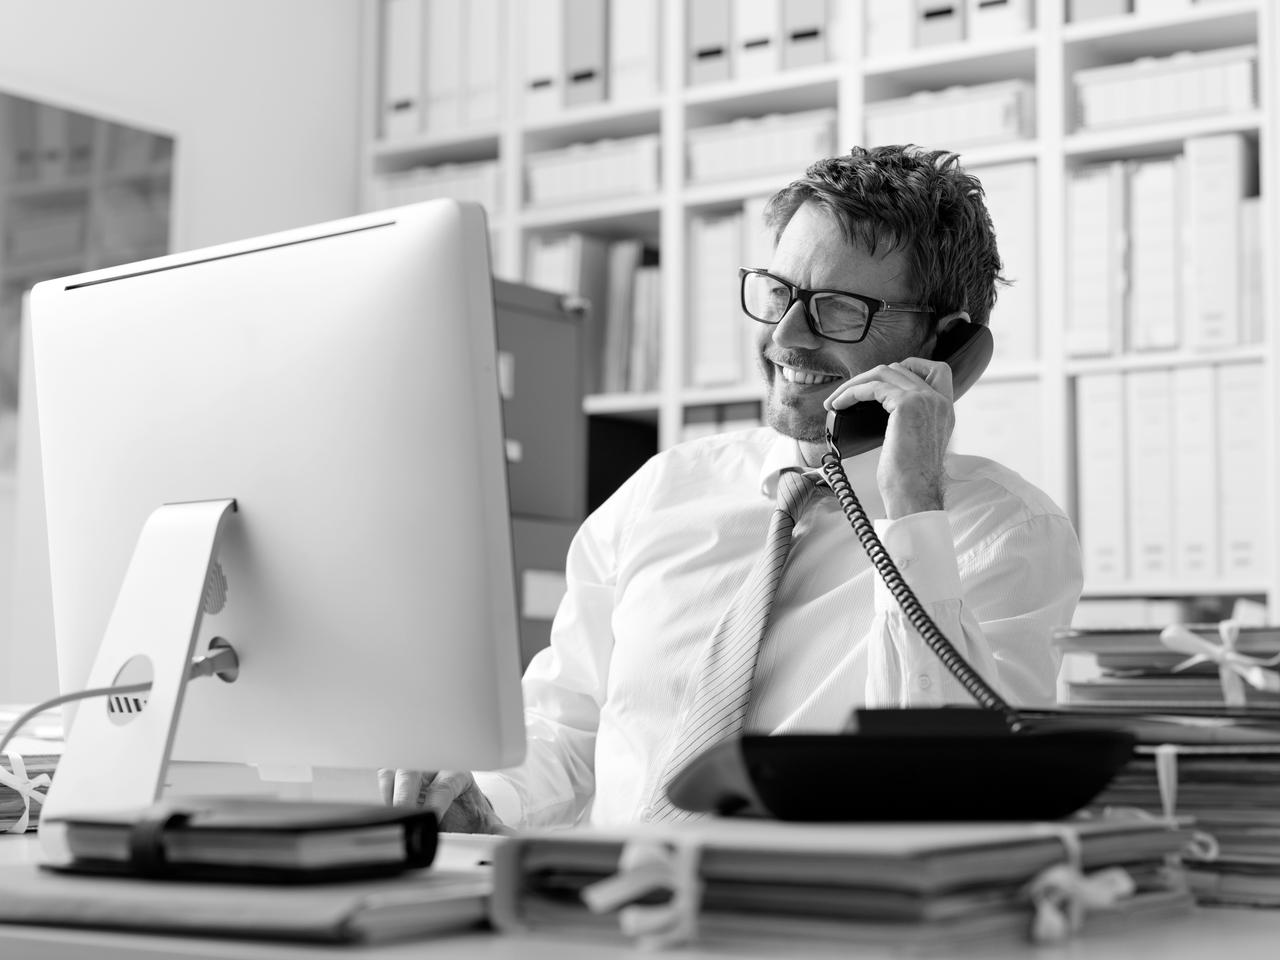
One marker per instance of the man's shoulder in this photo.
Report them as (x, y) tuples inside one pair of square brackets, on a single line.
[(978, 484), (734, 451)]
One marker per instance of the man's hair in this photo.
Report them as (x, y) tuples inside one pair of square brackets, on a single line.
[(917, 201)]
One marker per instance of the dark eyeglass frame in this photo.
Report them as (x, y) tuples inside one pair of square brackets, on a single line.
[(873, 304)]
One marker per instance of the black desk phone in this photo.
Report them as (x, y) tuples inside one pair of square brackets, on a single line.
[(948, 763)]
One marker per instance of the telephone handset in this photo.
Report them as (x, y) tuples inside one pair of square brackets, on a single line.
[(965, 347), (949, 763)]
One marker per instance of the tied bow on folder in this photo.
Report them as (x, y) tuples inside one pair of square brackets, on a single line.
[(1234, 668)]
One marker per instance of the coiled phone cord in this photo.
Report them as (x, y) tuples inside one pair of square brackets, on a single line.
[(907, 600)]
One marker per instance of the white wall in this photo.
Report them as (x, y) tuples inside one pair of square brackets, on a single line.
[(262, 97)]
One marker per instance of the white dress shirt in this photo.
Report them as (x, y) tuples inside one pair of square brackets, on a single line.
[(651, 571)]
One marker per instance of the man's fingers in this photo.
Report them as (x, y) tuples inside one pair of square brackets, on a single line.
[(446, 788), (408, 786)]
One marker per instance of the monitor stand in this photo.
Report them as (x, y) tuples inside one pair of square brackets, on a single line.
[(116, 759)]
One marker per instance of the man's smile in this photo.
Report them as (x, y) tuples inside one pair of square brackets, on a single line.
[(803, 377)]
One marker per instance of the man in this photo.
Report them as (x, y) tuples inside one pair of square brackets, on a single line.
[(900, 244)]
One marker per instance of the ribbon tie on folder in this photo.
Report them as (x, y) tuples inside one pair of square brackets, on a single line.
[(1234, 668), (643, 867), (27, 789), (1063, 893)]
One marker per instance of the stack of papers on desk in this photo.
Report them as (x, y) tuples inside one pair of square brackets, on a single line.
[(1231, 792), (920, 885), (1135, 670), (23, 784)]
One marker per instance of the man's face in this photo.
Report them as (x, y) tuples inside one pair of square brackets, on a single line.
[(800, 368)]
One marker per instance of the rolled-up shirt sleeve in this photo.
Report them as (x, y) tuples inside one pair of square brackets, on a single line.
[(997, 603)]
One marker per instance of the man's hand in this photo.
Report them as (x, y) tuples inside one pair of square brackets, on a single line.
[(917, 394), (459, 805)]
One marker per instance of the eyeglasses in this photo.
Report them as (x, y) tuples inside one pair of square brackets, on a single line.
[(832, 314)]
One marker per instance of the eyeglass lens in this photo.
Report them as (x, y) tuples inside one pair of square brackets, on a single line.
[(767, 299)]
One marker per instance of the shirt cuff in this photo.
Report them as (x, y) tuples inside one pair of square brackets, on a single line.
[(925, 553), (503, 795)]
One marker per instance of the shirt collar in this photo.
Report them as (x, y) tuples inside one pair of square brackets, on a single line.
[(784, 454)]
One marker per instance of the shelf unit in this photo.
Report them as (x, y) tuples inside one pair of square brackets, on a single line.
[(1046, 55)]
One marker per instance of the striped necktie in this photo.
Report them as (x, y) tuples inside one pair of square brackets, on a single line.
[(718, 708)]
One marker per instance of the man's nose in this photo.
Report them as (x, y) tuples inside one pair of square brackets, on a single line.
[(793, 330)]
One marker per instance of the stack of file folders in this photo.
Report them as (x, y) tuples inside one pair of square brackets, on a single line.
[(1229, 790), (726, 882), (1135, 669), (1208, 743)]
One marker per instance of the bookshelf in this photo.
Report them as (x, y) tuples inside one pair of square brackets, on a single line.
[(1047, 56)]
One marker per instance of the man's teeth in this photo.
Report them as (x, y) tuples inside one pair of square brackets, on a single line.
[(792, 375)]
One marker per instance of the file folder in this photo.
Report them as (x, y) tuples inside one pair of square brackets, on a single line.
[(482, 70), (443, 49), (709, 40), (988, 19), (1195, 474), (402, 25), (1101, 482), (939, 21), (543, 55), (757, 36), (805, 33), (585, 37), (635, 45)]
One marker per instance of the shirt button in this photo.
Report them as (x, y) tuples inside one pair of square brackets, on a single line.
[(925, 681), (906, 562)]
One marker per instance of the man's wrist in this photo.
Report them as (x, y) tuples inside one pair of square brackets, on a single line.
[(920, 498)]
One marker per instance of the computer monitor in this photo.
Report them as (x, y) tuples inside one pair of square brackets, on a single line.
[(339, 383)]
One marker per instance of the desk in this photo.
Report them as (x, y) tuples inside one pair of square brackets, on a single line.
[(1209, 933)]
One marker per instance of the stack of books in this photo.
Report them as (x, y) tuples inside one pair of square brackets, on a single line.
[(727, 882)]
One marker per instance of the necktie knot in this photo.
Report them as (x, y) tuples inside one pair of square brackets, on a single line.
[(794, 492)]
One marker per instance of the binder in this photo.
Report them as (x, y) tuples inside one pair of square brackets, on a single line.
[(644, 372), (806, 30), (443, 47), (1150, 455), (624, 261), (21, 141), (989, 19), (1195, 474), (402, 25), (1100, 477), (1243, 469), (757, 38), (708, 53), (1154, 229), (543, 55), (1216, 183), (889, 27), (635, 49), (53, 147), (430, 901), (718, 327), (1091, 9), (1010, 193), (482, 70), (585, 39), (1096, 275), (939, 21)]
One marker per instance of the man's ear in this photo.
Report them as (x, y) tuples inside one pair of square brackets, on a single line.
[(942, 326)]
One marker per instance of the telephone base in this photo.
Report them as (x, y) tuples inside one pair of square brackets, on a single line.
[(923, 765)]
